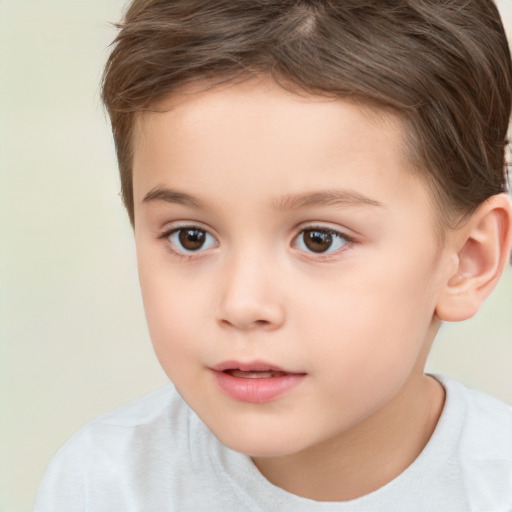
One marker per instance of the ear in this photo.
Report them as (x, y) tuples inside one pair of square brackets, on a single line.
[(480, 249)]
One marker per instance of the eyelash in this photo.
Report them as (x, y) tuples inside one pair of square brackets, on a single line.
[(189, 255), (328, 255), (166, 237)]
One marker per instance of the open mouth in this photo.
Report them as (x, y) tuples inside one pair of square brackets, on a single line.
[(255, 374), (256, 381)]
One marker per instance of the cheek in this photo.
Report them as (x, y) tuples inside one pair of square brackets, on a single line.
[(361, 351), (369, 318), (173, 313)]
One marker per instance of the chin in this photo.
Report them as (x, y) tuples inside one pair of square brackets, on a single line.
[(259, 444), (259, 450)]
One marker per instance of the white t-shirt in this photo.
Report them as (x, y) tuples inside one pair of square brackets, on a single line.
[(156, 455)]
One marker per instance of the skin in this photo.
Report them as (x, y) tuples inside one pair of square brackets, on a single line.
[(358, 321)]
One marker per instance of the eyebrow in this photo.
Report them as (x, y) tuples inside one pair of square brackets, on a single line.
[(166, 195), (339, 198)]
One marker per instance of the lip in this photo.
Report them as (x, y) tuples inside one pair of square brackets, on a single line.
[(253, 389), (250, 366)]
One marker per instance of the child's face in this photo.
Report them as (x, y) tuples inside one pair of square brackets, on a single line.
[(285, 235)]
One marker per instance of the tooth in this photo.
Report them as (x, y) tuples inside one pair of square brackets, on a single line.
[(252, 375)]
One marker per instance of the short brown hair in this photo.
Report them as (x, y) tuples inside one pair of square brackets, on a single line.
[(443, 66)]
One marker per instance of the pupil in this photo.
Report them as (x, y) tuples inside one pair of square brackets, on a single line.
[(191, 239), (317, 241)]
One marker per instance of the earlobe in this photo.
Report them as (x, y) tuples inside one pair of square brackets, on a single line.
[(482, 249)]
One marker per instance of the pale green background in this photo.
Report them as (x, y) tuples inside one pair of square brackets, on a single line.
[(73, 338)]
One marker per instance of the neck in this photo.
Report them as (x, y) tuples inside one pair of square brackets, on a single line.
[(368, 456)]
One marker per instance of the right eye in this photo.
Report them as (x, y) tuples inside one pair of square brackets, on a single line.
[(191, 239)]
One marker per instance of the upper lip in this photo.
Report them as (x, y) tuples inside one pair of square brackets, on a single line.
[(249, 366)]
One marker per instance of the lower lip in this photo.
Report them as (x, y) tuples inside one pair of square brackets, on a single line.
[(256, 391)]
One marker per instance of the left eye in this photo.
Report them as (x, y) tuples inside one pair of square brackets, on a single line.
[(320, 240), (191, 240)]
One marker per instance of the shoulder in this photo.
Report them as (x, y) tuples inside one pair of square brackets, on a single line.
[(164, 403), (116, 450), (486, 421), (483, 447), (157, 415)]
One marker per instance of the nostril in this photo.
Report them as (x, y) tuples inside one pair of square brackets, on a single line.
[(261, 322), (254, 323)]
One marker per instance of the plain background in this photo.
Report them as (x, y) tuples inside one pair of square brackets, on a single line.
[(73, 337)]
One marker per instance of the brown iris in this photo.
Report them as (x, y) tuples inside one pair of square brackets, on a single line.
[(316, 240), (192, 239)]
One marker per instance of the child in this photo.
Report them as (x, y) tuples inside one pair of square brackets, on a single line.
[(314, 186)]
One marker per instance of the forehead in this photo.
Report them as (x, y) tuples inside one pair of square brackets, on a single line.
[(241, 138), (252, 101), (261, 105), (261, 114)]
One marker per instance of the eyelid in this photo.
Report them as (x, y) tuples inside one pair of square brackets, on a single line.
[(325, 256), (345, 233), (171, 228)]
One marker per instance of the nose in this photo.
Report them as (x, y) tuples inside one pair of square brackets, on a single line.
[(250, 295)]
